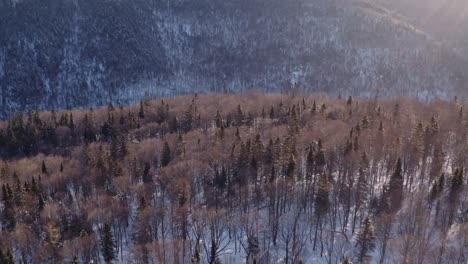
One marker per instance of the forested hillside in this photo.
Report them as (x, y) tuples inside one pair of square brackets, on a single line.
[(62, 54), (233, 178)]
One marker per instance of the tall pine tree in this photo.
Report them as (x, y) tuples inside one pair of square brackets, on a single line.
[(108, 245), (365, 241)]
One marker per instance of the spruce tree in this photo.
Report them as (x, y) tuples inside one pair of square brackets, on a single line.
[(166, 155), (146, 173), (141, 113), (456, 188), (321, 203), (456, 185), (89, 129), (320, 159), (44, 168), (365, 241), (71, 123), (41, 202), (108, 245), (8, 213), (437, 188), (239, 116), (395, 188), (180, 146), (313, 110), (272, 113)]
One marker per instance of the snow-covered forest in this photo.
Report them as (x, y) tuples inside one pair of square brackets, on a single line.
[(237, 179), (62, 54)]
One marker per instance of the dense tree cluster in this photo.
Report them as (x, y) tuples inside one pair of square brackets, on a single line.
[(256, 178)]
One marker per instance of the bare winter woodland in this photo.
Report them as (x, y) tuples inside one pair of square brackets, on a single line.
[(237, 179)]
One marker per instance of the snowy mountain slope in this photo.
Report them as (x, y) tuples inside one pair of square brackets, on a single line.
[(81, 53), (444, 19)]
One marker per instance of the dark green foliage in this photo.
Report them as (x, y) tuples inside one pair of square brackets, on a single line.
[(44, 168), (89, 130), (147, 177), (456, 185), (362, 185), (322, 200), (166, 155), (41, 202), (108, 246), (395, 188)]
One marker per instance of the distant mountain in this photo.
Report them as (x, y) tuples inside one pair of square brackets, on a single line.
[(81, 53)]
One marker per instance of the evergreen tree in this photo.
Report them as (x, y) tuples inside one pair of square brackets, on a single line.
[(146, 173), (290, 167), (44, 168), (108, 245), (8, 212), (166, 155), (320, 159), (323, 108), (272, 113), (89, 129), (395, 188), (456, 185), (365, 241), (141, 113), (141, 229), (362, 187), (161, 113), (313, 110), (239, 116), (180, 146), (41, 202), (71, 123), (456, 188), (437, 188), (293, 121), (321, 203), (174, 124)]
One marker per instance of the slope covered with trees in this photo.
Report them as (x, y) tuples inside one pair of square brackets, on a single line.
[(62, 54), (219, 178)]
